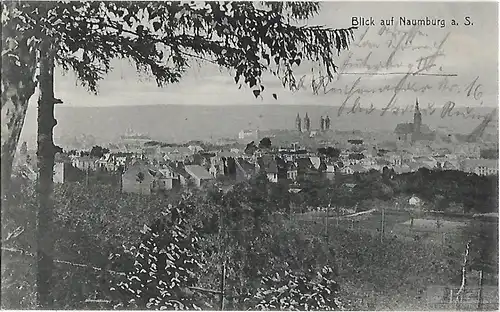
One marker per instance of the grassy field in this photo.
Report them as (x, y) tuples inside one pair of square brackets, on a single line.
[(395, 273), (396, 224)]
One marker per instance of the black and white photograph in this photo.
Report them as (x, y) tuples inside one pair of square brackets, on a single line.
[(250, 155)]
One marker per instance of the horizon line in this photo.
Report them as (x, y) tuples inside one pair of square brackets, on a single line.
[(256, 104)]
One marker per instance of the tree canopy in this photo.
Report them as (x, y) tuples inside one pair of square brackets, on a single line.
[(265, 143), (162, 39), (98, 151)]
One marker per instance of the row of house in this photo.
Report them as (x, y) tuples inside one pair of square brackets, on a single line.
[(144, 178), (170, 167), (293, 164)]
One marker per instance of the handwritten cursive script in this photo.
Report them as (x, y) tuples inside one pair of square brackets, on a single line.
[(364, 61)]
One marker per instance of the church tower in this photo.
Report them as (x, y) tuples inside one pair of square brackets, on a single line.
[(298, 123), (307, 123), (417, 123)]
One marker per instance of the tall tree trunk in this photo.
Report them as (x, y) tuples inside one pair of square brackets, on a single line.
[(19, 64), (46, 152)]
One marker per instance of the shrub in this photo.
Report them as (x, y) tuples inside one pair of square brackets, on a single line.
[(289, 291), (164, 265)]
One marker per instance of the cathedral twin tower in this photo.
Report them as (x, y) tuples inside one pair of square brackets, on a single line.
[(306, 126)]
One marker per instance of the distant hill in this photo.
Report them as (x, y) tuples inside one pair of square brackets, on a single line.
[(178, 123)]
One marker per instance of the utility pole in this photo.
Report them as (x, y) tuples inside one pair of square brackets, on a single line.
[(383, 229), (221, 246), (326, 221), (222, 286), (338, 216), (87, 176), (480, 301)]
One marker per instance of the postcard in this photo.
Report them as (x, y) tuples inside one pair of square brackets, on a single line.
[(245, 155)]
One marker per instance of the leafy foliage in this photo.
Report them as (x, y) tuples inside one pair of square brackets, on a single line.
[(329, 151), (162, 38), (289, 291), (250, 148), (164, 265), (357, 156), (439, 189), (484, 246), (98, 151), (257, 241), (265, 143)]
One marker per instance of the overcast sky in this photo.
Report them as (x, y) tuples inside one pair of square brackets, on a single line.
[(470, 51)]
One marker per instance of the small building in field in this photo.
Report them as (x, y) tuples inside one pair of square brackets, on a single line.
[(415, 201)]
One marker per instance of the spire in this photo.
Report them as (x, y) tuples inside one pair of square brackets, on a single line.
[(417, 110), (298, 123), (307, 123), (417, 123)]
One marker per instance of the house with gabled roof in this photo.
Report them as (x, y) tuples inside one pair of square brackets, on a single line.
[(141, 178), (267, 164), (426, 160), (482, 167), (244, 169), (356, 168), (291, 171), (450, 165), (195, 148), (198, 174), (315, 161), (305, 167), (401, 169), (85, 163)]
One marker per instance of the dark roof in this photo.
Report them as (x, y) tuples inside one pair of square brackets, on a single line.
[(304, 163), (322, 165), (141, 166), (404, 128), (268, 164), (247, 167), (206, 155), (178, 168), (280, 162), (291, 165), (272, 168), (181, 171)]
